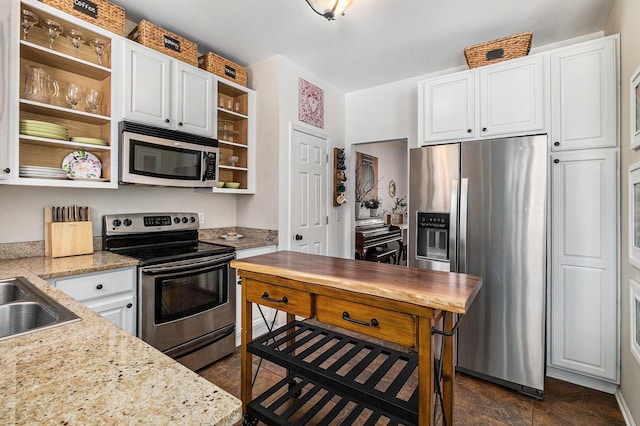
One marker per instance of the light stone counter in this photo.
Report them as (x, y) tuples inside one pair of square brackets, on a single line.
[(92, 372)]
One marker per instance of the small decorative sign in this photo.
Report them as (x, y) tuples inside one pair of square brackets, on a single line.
[(86, 7), (229, 71), (171, 43), (495, 54), (310, 103)]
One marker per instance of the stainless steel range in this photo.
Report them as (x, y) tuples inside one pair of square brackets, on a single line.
[(186, 290)]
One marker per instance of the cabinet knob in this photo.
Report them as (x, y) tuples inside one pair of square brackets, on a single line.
[(180, 123), (298, 237), (468, 130), (129, 305), (484, 129), (7, 170), (99, 286), (556, 161), (556, 143), (166, 120)]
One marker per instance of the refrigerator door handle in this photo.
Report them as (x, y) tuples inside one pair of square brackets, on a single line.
[(453, 228), (464, 202)]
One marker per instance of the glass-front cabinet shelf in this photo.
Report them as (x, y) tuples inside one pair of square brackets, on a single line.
[(60, 88), (236, 138)]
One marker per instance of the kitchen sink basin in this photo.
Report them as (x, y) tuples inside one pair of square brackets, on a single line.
[(25, 309), (9, 292)]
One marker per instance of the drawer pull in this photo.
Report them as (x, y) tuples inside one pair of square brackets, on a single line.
[(265, 296), (372, 323), (99, 286)]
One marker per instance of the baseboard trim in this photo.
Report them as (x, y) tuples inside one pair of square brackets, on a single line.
[(579, 379), (624, 408)]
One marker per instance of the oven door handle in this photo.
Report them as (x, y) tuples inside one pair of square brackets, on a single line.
[(189, 265)]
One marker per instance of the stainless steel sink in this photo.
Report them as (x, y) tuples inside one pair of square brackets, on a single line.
[(25, 309), (9, 292)]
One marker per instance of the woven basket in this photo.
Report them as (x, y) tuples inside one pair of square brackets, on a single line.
[(151, 35), (108, 15), (499, 50), (223, 68)]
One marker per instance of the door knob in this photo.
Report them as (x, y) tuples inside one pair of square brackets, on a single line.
[(298, 237)]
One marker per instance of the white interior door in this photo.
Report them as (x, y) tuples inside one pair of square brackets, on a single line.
[(308, 192)]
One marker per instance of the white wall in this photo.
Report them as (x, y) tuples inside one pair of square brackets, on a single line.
[(285, 101), (260, 210), (22, 208), (624, 20)]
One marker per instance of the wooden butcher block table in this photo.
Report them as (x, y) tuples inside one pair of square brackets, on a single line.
[(336, 377)]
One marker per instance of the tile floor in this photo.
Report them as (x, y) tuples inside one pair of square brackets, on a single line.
[(477, 402)]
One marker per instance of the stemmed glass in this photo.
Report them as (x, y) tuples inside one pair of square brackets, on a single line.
[(93, 99), (98, 45), (29, 19), (76, 38), (73, 95), (53, 30)]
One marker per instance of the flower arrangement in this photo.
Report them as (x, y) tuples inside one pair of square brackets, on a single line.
[(372, 203), (400, 206)]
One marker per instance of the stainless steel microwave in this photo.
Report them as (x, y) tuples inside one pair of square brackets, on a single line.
[(155, 156)]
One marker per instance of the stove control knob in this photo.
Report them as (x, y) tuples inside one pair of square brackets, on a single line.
[(184, 219), (176, 220), (127, 222), (192, 219), (116, 222)]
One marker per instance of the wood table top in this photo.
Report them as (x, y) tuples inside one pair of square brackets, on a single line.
[(447, 291)]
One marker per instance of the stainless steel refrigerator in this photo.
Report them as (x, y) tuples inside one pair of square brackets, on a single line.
[(480, 208)]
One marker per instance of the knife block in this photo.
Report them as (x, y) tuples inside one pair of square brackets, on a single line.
[(67, 238)]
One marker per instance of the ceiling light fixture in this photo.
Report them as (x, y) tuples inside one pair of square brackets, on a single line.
[(330, 9)]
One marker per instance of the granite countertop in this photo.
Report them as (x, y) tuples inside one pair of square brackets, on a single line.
[(92, 372)]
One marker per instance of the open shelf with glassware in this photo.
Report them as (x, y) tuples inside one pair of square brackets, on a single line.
[(236, 137), (66, 136)]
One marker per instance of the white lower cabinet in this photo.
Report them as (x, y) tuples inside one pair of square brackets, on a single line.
[(584, 290), (111, 294), (259, 325)]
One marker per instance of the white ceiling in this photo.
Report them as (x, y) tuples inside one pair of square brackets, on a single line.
[(376, 42)]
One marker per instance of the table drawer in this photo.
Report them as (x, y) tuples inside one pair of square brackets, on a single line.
[(370, 320), (86, 287), (277, 297)]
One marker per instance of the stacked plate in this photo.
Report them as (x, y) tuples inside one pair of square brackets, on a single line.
[(94, 141), (42, 172), (43, 129)]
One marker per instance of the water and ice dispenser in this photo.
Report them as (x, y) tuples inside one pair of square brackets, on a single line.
[(433, 236)]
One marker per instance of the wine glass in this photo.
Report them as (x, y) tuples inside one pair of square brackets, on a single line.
[(53, 30), (93, 99), (76, 38), (73, 95), (233, 159), (98, 45), (29, 19)]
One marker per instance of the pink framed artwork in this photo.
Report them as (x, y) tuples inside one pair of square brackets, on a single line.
[(310, 103)]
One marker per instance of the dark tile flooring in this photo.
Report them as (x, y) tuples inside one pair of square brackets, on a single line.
[(477, 402)]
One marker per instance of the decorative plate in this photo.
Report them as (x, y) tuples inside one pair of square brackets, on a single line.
[(82, 164)]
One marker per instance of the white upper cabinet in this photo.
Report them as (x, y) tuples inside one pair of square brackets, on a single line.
[(512, 97), (583, 96), (495, 100), (449, 107), (165, 92)]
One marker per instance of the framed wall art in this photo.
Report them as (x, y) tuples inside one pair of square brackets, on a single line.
[(310, 103), (634, 110), (634, 314), (634, 214)]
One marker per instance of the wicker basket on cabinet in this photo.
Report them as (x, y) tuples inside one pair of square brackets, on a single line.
[(499, 50), (157, 38), (105, 15), (223, 68)]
